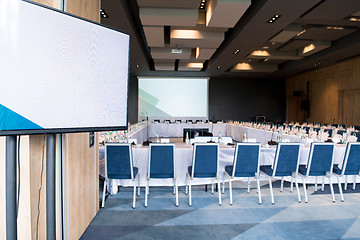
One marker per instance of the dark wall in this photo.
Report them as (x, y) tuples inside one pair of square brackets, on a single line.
[(233, 99), (244, 99), (133, 99)]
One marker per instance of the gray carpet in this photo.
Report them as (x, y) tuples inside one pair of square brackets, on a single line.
[(245, 219)]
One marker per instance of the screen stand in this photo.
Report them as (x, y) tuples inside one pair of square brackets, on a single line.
[(50, 187), (11, 218)]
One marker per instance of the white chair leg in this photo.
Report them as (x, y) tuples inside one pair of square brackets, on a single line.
[(176, 193), (258, 188), (315, 183), (248, 188), (212, 186), (354, 184), (223, 188), (292, 184), (190, 203), (282, 184), (345, 186), (323, 184), (297, 189), (219, 191), (304, 184), (271, 191), (331, 189), (134, 197), (340, 189), (104, 192), (146, 192), (230, 190), (139, 185)]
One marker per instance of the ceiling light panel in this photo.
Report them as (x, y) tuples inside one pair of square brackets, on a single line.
[(313, 47), (194, 38), (225, 13), (192, 66), (262, 54), (254, 67)]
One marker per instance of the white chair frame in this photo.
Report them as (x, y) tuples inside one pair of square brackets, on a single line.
[(133, 179)]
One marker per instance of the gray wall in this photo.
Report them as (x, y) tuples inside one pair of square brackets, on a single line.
[(244, 99), (233, 99)]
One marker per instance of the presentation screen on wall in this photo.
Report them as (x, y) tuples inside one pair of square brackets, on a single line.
[(169, 98), (60, 73)]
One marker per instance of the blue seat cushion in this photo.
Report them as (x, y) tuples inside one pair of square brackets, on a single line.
[(303, 169), (266, 169), (201, 175), (229, 170), (124, 176), (338, 171)]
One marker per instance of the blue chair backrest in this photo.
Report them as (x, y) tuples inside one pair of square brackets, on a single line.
[(286, 159), (246, 159), (357, 128), (118, 157), (316, 129), (352, 159), (161, 157), (205, 160), (321, 160), (307, 129)]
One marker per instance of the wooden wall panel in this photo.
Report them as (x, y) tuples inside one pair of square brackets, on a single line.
[(81, 185), (89, 9), (325, 93)]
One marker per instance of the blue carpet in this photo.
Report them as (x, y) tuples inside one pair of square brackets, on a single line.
[(245, 219)]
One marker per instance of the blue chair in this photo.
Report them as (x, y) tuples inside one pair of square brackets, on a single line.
[(286, 164), (329, 131), (119, 165), (320, 163), (341, 132), (246, 164), (161, 165), (205, 164), (350, 166)]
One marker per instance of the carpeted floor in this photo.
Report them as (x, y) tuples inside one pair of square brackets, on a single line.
[(245, 219)]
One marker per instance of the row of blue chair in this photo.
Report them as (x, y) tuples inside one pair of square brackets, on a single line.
[(246, 164)]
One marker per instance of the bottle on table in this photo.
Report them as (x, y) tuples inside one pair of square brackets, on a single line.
[(244, 137), (187, 140), (157, 137), (220, 138)]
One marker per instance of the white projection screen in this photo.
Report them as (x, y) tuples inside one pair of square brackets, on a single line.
[(173, 98), (60, 73)]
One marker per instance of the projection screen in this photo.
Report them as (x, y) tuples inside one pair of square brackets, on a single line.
[(60, 73), (172, 98)]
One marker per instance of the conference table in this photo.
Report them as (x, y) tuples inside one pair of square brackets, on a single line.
[(183, 159)]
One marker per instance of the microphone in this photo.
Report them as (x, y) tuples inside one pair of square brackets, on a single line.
[(212, 130)]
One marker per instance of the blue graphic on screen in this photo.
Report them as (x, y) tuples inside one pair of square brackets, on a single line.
[(11, 120)]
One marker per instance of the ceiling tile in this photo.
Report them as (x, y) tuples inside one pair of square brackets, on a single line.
[(166, 53), (287, 33), (225, 13), (293, 45), (334, 9), (321, 33), (205, 53), (169, 3), (154, 36), (168, 16), (164, 66)]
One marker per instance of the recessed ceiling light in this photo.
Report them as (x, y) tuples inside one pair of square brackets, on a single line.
[(218, 67), (274, 18), (354, 19), (303, 31), (236, 51), (137, 66), (265, 47), (273, 43), (265, 60)]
